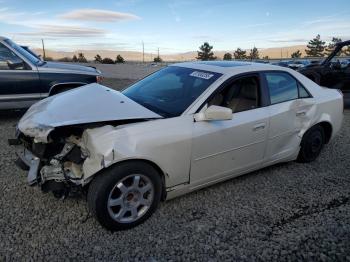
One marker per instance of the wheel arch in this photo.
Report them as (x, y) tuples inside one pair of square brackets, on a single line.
[(328, 130), (56, 87), (160, 171)]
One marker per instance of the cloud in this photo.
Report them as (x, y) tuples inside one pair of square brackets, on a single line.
[(287, 40), (35, 25), (98, 15), (65, 31)]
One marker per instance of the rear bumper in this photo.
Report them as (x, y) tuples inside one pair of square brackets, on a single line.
[(27, 159)]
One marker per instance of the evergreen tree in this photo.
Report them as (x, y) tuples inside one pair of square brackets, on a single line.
[(266, 57), (331, 45), (254, 54), (157, 59), (240, 54), (98, 58), (119, 59), (81, 58), (75, 59), (107, 60), (205, 52), (227, 56), (316, 47), (296, 54)]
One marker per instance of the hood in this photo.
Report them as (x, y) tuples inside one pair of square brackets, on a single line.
[(87, 104), (73, 68)]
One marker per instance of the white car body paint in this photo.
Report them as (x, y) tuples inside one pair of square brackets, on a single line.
[(194, 154), (88, 104)]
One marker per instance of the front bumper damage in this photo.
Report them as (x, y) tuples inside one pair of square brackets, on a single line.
[(28, 162), (59, 173)]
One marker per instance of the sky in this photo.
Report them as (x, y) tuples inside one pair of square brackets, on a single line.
[(173, 26)]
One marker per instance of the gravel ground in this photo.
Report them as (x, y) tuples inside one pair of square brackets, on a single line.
[(286, 212)]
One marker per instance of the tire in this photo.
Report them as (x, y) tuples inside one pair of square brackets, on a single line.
[(311, 144), (125, 195)]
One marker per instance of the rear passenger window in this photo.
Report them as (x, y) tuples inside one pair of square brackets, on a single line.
[(302, 92), (282, 87)]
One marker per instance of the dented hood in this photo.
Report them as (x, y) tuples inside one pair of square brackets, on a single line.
[(86, 104)]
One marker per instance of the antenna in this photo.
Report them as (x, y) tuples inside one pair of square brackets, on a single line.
[(44, 55)]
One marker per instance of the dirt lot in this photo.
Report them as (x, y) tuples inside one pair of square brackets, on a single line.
[(286, 212), (128, 70)]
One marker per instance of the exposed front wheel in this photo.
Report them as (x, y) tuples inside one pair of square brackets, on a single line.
[(311, 144), (125, 195)]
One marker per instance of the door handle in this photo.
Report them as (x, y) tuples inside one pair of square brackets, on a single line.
[(301, 113), (259, 127)]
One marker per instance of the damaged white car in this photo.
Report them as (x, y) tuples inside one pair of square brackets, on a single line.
[(182, 128)]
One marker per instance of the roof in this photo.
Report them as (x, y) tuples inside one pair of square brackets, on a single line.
[(2, 38), (228, 67)]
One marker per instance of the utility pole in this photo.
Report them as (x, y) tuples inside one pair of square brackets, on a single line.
[(143, 52), (42, 41), (158, 52), (281, 54)]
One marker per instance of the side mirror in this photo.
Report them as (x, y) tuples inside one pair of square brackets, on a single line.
[(17, 64), (214, 113)]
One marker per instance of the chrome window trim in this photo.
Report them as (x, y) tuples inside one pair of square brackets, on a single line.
[(20, 56)]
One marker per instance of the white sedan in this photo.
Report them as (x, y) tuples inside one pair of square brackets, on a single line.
[(180, 129)]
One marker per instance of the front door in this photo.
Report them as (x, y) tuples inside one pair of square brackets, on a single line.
[(19, 83), (229, 147)]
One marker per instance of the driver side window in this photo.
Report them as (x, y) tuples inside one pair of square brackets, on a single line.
[(9, 60), (240, 95)]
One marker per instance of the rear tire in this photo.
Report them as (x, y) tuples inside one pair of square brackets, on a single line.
[(125, 195), (311, 144)]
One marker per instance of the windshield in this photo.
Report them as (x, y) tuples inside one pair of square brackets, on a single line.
[(34, 60), (170, 91)]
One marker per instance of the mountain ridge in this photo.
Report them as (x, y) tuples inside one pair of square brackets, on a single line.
[(273, 53)]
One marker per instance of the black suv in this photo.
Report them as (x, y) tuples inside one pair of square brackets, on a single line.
[(25, 79), (332, 72)]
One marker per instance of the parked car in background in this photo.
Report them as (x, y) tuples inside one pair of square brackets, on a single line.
[(281, 63), (298, 64), (180, 129), (344, 63), (330, 72), (25, 79)]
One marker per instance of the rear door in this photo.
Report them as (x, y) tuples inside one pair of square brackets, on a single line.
[(19, 82), (289, 111)]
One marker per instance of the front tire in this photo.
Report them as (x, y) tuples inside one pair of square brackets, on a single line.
[(311, 144), (125, 195)]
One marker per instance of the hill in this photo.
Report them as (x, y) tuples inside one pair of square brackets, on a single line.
[(274, 53)]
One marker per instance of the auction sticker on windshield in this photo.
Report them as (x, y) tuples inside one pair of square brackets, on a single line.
[(201, 75)]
